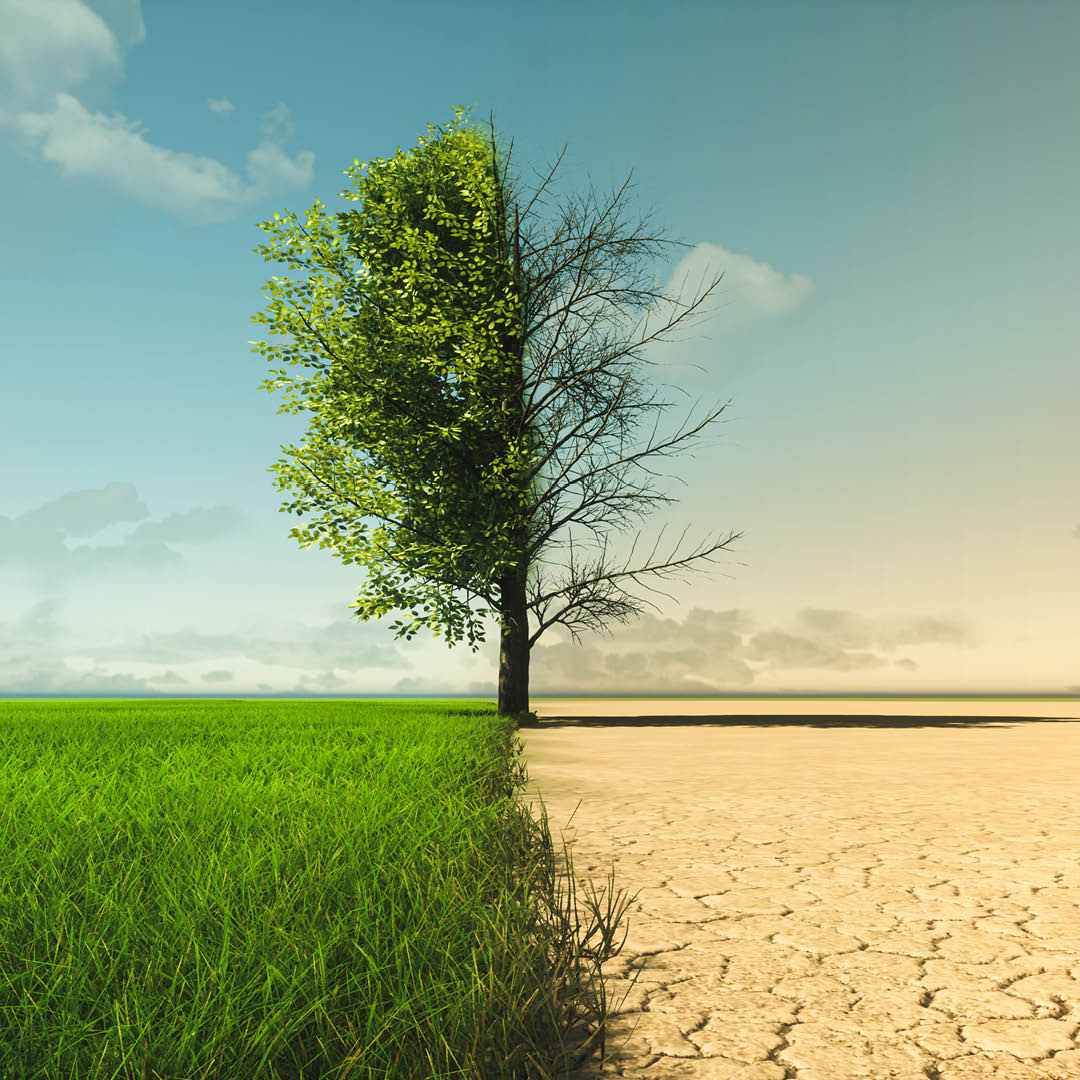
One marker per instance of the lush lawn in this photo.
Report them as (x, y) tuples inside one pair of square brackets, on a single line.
[(232, 890)]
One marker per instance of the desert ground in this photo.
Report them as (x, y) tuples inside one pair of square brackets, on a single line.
[(829, 890)]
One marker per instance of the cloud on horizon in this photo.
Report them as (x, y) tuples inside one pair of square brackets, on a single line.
[(705, 652), (724, 651), (39, 654), (50, 46)]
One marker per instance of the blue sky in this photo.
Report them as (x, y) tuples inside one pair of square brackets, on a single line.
[(889, 189)]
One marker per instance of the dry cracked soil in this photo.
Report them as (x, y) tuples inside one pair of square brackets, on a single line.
[(828, 891)]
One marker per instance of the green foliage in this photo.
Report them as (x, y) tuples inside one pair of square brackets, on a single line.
[(417, 392)]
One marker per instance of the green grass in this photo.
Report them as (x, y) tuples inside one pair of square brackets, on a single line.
[(290, 890)]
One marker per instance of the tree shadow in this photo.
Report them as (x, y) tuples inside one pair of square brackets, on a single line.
[(825, 720)]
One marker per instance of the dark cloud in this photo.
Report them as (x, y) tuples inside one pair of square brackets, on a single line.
[(720, 627), (921, 630), (567, 668), (843, 629), (83, 513), (847, 630), (38, 624), (783, 650), (340, 645), (52, 676), (724, 651), (217, 676), (37, 539), (196, 526), (324, 680)]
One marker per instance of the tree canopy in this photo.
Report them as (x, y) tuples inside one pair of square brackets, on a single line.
[(411, 418)]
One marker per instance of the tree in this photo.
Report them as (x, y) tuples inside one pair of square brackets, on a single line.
[(450, 364)]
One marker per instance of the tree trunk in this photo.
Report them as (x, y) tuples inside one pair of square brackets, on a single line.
[(514, 647)]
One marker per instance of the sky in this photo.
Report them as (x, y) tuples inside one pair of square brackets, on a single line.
[(888, 188)]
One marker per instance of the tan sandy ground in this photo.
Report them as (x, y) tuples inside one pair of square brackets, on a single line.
[(829, 891)]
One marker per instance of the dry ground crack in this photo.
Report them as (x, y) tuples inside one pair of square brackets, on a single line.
[(864, 902)]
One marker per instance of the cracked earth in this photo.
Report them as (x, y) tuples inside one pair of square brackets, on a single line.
[(828, 891)]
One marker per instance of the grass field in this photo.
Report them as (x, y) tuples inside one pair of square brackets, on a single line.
[(225, 890)]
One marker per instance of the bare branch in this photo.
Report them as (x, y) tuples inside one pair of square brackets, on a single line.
[(555, 488), (587, 594), (630, 350)]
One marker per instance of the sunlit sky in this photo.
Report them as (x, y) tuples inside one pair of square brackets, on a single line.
[(889, 189)]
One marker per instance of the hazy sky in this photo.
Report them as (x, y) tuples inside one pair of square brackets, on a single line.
[(890, 189)]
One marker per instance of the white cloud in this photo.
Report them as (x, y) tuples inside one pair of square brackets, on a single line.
[(221, 106), (111, 151), (276, 124), (750, 292), (49, 46)]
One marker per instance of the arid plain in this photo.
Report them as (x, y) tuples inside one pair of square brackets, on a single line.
[(829, 890)]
